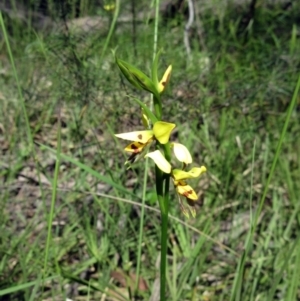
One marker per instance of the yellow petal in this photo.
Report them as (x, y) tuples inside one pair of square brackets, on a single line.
[(135, 147), (160, 161), (182, 153), (195, 172), (180, 182), (187, 191), (162, 131), (138, 136), (165, 79), (179, 174)]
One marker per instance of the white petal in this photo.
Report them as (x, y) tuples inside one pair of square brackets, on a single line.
[(160, 160), (182, 153), (138, 136)]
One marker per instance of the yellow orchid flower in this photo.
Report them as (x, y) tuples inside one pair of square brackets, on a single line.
[(183, 189), (165, 80), (161, 132)]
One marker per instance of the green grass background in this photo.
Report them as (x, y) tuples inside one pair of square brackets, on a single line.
[(69, 210)]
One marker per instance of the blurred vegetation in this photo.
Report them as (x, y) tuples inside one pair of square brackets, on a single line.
[(229, 98)]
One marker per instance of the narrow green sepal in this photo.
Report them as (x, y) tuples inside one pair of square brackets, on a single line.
[(147, 111)]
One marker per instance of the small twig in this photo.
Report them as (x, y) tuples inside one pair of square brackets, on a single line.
[(200, 29), (133, 11), (188, 27)]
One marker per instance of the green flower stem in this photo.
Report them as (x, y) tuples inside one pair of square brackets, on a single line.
[(111, 29), (164, 239), (159, 187), (167, 151), (157, 107), (164, 229), (162, 190), (163, 252)]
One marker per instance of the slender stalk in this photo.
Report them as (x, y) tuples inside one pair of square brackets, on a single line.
[(164, 231), (53, 197), (159, 187), (139, 252), (157, 107), (161, 179), (164, 239), (155, 28), (163, 197), (22, 101), (111, 29), (133, 12), (146, 161), (163, 258)]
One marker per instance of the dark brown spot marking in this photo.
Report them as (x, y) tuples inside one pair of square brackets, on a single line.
[(136, 147), (140, 136), (164, 83), (187, 193)]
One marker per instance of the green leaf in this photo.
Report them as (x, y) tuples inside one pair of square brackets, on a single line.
[(23, 286)]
